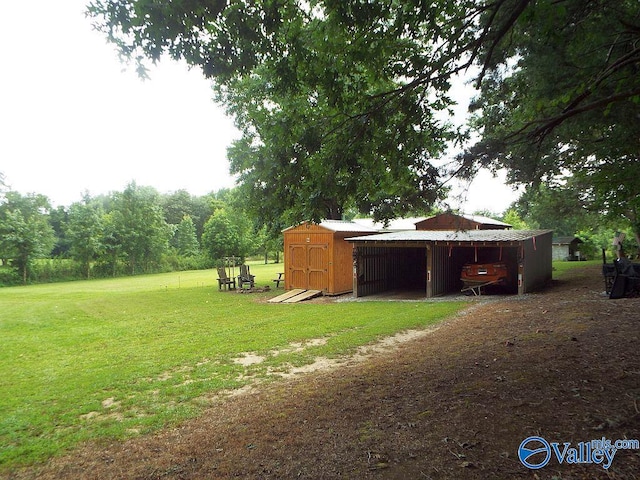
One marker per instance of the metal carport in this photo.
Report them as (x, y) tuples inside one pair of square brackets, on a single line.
[(431, 261)]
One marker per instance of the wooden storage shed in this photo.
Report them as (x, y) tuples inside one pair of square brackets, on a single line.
[(317, 257), (430, 262), (452, 221)]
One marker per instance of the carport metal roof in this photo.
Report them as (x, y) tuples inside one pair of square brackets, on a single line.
[(451, 237)]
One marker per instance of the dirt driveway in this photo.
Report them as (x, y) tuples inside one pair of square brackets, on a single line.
[(453, 404)]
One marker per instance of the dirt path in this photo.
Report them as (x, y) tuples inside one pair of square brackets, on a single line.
[(456, 403)]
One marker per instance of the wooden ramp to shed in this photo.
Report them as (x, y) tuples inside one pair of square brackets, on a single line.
[(295, 295), (287, 295), (306, 295)]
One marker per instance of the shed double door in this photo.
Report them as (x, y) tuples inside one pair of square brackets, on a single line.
[(309, 266)]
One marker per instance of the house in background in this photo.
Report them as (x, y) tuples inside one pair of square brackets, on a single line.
[(567, 248)]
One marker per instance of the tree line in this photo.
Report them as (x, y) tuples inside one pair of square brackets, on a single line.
[(137, 230)]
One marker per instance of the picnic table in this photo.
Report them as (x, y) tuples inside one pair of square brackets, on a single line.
[(279, 279)]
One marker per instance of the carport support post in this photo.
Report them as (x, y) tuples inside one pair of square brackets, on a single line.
[(429, 270), (521, 272), (354, 255)]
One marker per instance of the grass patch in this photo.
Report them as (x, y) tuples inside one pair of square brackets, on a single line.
[(108, 359), (562, 269)]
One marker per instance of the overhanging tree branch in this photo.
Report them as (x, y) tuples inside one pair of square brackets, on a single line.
[(547, 125)]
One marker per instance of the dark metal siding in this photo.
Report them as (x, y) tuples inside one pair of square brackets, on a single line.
[(440, 274), (372, 270), (537, 262), (400, 264), (381, 269)]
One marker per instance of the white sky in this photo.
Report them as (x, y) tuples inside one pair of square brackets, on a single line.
[(71, 120)]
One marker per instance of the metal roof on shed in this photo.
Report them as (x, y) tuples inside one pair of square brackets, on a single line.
[(485, 220), (345, 226), (398, 224), (565, 240), (339, 226), (452, 236)]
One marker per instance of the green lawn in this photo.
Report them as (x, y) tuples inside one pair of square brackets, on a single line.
[(108, 359), (560, 268)]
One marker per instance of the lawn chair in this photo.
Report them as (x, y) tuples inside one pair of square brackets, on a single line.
[(245, 277), (223, 280)]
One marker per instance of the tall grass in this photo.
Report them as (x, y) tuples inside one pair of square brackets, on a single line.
[(108, 359)]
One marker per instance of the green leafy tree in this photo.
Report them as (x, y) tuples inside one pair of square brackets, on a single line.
[(266, 244), (558, 85), (203, 208), (137, 228), (321, 139), (559, 98), (611, 188), (85, 232), (512, 217), (598, 238), (58, 218), (259, 238), (224, 236), (25, 231), (178, 204), (338, 100), (112, 252), (559, 207), (185, 240)]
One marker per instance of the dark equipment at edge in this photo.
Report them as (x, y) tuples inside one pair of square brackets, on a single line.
[(622, 277)]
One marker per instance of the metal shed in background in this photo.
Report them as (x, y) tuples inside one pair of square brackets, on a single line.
[(431, 261), (317, 257), (452, 221), (396, 225), (567, 248)]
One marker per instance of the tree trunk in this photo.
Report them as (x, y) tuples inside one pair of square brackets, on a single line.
[(115, 264), (334, 210)]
